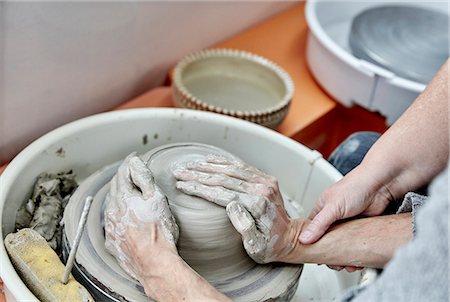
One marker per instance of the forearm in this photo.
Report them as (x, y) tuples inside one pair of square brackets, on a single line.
[(368, 242), (416, 148), (180, 283)]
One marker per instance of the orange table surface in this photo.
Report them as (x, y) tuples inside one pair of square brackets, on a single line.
[(282, 39)]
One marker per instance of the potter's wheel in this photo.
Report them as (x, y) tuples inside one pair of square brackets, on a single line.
[(410, 41), (98, 270)]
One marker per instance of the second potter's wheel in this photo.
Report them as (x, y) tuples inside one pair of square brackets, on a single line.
[(243, 280), (410, 41)]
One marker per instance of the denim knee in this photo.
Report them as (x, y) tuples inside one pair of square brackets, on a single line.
[(351, 152)]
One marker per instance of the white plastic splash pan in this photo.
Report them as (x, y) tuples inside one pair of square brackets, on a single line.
[(348, 79), (88, 144)]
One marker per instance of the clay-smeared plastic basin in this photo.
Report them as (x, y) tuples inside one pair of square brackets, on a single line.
[(90, 143)]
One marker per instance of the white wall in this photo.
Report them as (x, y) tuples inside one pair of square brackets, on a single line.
[(60, 61)]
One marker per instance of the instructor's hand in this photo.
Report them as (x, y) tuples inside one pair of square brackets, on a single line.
[(253, 203), (138, 223), (356, 193)]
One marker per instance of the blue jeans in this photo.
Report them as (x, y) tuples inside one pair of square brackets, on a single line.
[(351, 152)]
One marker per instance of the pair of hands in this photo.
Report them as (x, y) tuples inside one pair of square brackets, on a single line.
[(137, 209)]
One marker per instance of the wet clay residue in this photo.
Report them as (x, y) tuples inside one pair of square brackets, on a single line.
[(43, 211), (60, 152)]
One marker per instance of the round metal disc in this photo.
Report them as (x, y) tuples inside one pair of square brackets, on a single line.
[(101, 274), (410, 41)]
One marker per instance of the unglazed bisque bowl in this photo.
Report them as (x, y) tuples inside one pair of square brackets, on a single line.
[(234, 83), (96, 141)]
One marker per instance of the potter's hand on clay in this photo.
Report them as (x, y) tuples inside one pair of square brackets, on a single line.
[(138, 223), (252, 199)]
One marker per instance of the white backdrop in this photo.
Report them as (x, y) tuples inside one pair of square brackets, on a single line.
[(60, 61)]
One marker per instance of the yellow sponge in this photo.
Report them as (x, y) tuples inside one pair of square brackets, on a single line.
[(40, 268)]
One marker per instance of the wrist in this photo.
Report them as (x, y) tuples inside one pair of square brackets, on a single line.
[(291, 253), (158, 279), (179, 282), (369, 242), (396, 173), (375, 181)]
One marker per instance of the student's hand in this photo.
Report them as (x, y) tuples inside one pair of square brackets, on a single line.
[(253, 203), (138, 223)]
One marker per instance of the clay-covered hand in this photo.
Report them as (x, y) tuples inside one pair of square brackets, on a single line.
[(252, 199), (138, 223)]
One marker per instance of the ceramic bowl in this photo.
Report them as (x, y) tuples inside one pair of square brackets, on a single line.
[(234, 83)]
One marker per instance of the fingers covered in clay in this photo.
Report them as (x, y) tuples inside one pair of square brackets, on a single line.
[(232, 174), (141, 177), (255, 204), (254, 241), (218, 195), (215, 179), (215, 159), (236, 169), (136, 191), (123, 175)]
